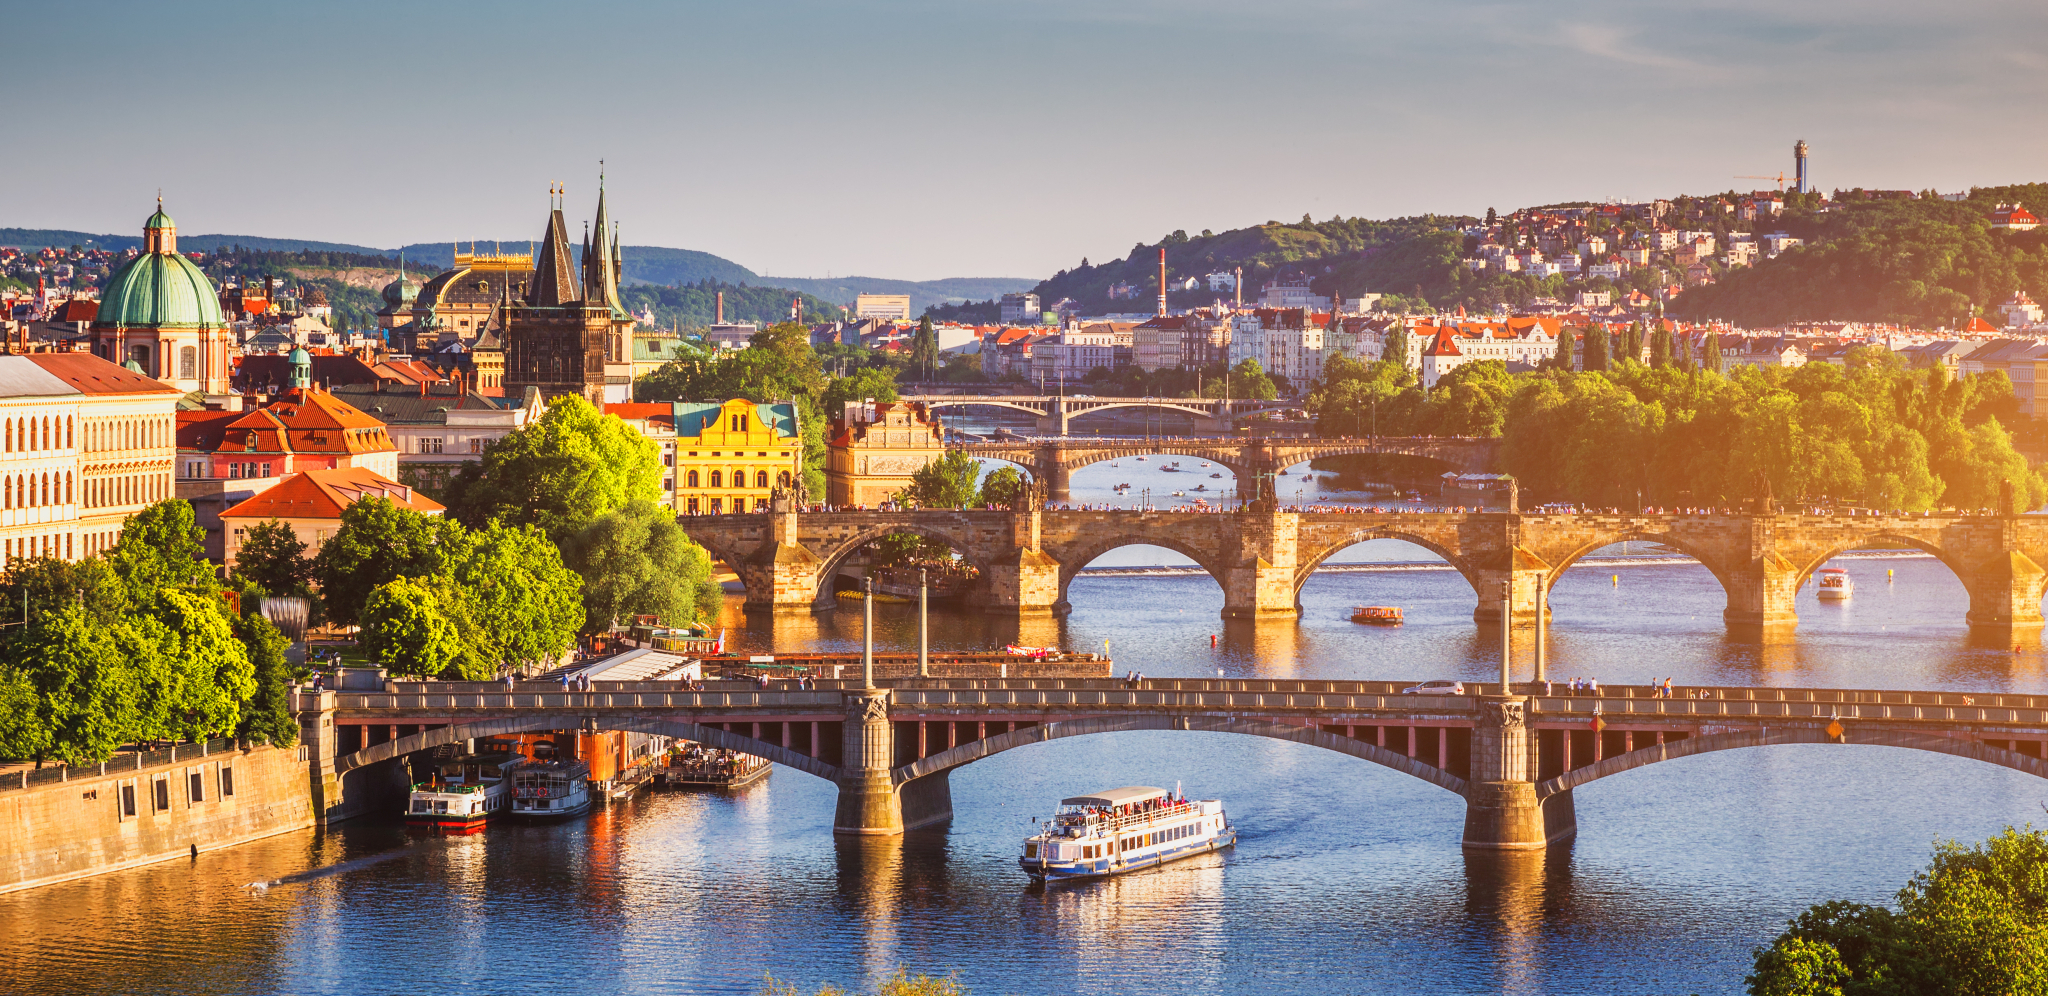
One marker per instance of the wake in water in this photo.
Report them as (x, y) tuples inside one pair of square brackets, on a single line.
[(261, 888)]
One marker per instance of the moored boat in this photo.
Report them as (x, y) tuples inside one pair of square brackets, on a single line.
[(463, 793), (1124, 829), (1834, 584), (1377, 615), (548, 790)]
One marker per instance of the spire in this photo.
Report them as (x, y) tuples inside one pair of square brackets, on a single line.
[(552, 284), (600, 272)]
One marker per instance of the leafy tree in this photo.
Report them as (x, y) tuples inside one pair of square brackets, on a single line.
[(1561, 359), (1596, 348), (1660, 346), (1249, 380), (924, 346), (24, 731), (869, 382), (378, 542), (406, 631), (517, 605), (1710, 357), (274, 559), (160, 547), (1396, 347), (948, 482), (571, 465), (89, 682), (636, 561), (1004, 487), (267, 718)]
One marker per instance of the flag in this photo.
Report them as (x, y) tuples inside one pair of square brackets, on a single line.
[(719, 647)]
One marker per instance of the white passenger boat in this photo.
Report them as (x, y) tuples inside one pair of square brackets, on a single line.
[(463, 793), (548, 790), (1125, 829), (1834, 584)]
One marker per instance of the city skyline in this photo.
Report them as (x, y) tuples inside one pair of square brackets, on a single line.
[(916, 141)]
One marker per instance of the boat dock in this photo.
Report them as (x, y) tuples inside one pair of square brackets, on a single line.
[(973, 664)]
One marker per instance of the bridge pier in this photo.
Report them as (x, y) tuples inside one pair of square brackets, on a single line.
[(1763, 596), (1525, 574), (1502, 811), (2005, 596), (870, 801), (1261, 583)]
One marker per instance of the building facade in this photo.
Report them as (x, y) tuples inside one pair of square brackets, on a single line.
[(567, 335), (311, 504), (874, 449), (730, 456), (160, 313), (83, 445)]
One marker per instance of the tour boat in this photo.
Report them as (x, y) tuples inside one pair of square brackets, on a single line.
[(547, 790), (1125, 829), (1377, 615), (1834, 584), (463, 793)]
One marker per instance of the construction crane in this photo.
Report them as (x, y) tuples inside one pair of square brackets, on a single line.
[(1780, 178)]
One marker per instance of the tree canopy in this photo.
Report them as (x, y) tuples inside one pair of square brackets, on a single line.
[(636, 561), (571, 465)]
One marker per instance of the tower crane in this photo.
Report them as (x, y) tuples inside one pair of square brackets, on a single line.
[(1780, 178)]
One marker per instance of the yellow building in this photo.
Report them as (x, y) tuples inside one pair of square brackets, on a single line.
[(874, 449), (731, 455)]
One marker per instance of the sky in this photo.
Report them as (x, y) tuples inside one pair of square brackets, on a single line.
[(918, 139)]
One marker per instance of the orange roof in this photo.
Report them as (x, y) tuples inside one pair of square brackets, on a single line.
[(299, 421), (1980, 325), (92, 375), (1443, 346), (637, 411), (323, 494)]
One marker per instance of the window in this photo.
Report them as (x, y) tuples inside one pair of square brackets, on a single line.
[(476, 445), (691, 477), (760, 478), (227, 781), (668, 484), (198, 783), (127, 800), (717, 505), (717, 480), (693, 506), (760, 504), (266, 470), (162, 791), (739, 423), (668, 459), (188, 362)]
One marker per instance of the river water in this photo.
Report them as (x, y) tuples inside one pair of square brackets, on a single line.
[(1347, 878)]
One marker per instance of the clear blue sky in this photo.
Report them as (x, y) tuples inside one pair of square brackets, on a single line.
[(930, 138)]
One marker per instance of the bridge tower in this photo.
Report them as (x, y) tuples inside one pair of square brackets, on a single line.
[(1502, 811)]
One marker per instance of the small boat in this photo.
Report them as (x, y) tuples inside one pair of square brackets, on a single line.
[(1121, 830), (1180, 494), (1834, 584), (1205, 463), (550, 790), (1171, 468), (1376, 615), (880, 597), (1201, 487), (463, 793), (1141, 459), (1308, 477), (1218, 476), (697, 766)]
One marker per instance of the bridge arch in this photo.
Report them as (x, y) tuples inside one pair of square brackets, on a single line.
[(1722, 572), (1073, 560), (1933, 549), (967, 401), (1771, 736), (971, 752), (847, 547), (708, 735), (1307, 565)]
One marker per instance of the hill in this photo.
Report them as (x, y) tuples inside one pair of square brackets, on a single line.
[(923, 293), (1922, 261), (694, 305)]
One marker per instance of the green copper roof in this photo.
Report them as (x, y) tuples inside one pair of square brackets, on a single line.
[(159, 220), (160, 290)]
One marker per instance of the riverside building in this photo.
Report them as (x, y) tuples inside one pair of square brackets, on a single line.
[(731, 455)]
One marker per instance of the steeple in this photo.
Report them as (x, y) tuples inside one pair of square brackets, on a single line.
[(553, 286), (601, 272)]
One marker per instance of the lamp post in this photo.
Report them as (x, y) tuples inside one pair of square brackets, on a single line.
[(867, 632), (1507, 629), (924, 669)]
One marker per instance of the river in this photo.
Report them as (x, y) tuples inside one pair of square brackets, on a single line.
[(1347, 877)]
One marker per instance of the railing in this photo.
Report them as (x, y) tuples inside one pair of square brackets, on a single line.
[(976, 695), (137, 761)]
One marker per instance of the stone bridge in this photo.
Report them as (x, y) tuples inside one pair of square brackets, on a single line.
[(1261, 558), (1514, 758), (1055, 411), (1258, 460)]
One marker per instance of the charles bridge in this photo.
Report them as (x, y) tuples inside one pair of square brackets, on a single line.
[(1056, 412), (1257, 460), (1261, 556), (1514, 755)]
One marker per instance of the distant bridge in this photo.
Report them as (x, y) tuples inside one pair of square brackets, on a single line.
[(1256, 461), (1514, 758), (1054, 412)]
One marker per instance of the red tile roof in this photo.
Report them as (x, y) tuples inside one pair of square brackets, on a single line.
[(92, 375), (323, 494)]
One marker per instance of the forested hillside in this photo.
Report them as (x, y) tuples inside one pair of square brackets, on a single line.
[(1923, 261), (694, 305)]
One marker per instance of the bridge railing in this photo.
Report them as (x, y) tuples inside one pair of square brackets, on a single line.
[(119, 764)]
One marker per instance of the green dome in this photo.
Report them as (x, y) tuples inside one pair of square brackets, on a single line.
[(400, 292), (160, 290), (159, 220)]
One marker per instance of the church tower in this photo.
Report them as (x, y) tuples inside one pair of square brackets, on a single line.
[(567, 334)]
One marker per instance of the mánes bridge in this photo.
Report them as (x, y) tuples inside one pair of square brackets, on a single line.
[(1055, 412), (1255, 461), (1515, 759), (1261, 557)]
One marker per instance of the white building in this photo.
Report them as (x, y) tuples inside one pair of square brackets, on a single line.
[(1020, 308), (1291, 292), (892, 307)]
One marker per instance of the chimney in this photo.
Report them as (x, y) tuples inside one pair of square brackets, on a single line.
[(1162, 280), (1238, 283), (721, 309)]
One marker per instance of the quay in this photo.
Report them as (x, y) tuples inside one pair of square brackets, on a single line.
[(945, 664)]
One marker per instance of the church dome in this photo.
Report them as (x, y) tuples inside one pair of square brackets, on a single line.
[(400, 292), (160, 290)]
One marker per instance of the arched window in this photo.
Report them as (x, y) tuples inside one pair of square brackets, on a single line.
[(692, 477), (46, 489), (782, 479), (67, 487), (43, 440), (10, 435), (70, 427), (717, 479), (10, 492), (760, 478)]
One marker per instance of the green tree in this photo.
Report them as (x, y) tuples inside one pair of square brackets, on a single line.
[(516, 603), (273, 558), (378, 542), (1596, 348), (1561, 359), (160, 547), (208, 671), (1396, 347), (89, 681), (1004, 487), (571, 465), (636, 561), (952, 481), (24, 731), (924, 346), (1249, 380), (267, 718), (406, 630), (1660, 346), (867, 382), (1710, 356)]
